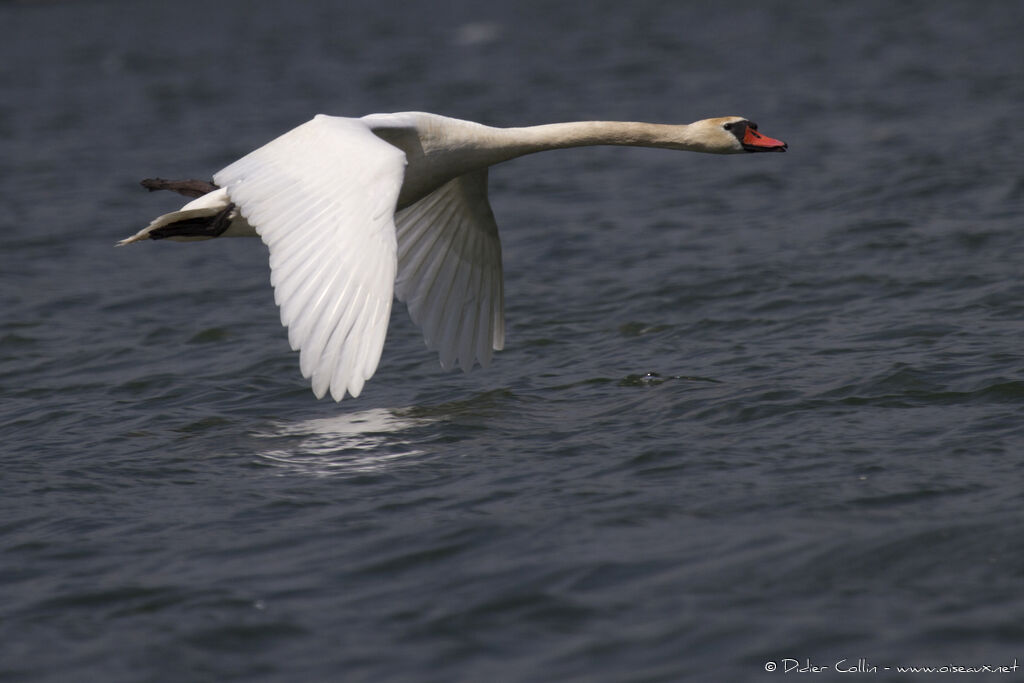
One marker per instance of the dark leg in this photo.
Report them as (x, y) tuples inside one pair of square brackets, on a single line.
[(205, 226), (189, 188)]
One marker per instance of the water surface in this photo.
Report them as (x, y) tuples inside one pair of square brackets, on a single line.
[(750, 408)]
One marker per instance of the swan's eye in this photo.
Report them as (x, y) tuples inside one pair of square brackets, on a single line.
[(728, 126)]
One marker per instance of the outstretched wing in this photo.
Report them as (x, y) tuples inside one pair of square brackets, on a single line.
[(322, 197), (449, 271)]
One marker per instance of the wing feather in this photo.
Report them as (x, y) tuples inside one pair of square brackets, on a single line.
[(450, 273), (322, 198)]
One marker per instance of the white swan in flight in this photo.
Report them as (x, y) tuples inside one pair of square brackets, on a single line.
[(358, 211)]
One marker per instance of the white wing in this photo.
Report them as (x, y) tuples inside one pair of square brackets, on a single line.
[(322, 197), (449, 271)]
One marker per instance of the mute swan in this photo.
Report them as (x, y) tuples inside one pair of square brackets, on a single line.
[(357, 211)]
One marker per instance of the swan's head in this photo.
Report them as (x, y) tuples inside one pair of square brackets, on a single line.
[(731, 135)]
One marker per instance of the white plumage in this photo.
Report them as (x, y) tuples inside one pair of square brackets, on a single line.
[(356, 212), (449, 271), (322, 198)]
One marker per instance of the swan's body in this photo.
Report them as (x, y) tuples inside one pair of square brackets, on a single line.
[(357, 211)]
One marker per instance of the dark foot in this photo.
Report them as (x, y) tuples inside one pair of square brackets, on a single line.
[(189, 188), (205, 226)]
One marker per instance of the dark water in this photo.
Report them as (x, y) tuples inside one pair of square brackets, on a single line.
[(751, 408)]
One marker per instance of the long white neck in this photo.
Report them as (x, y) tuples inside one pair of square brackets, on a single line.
[(532, 139), (439, 148)]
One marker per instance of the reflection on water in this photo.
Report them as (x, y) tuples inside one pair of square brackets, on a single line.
[(359, 442)]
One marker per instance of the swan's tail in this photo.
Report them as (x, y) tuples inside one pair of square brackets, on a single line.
[(206, 217)]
